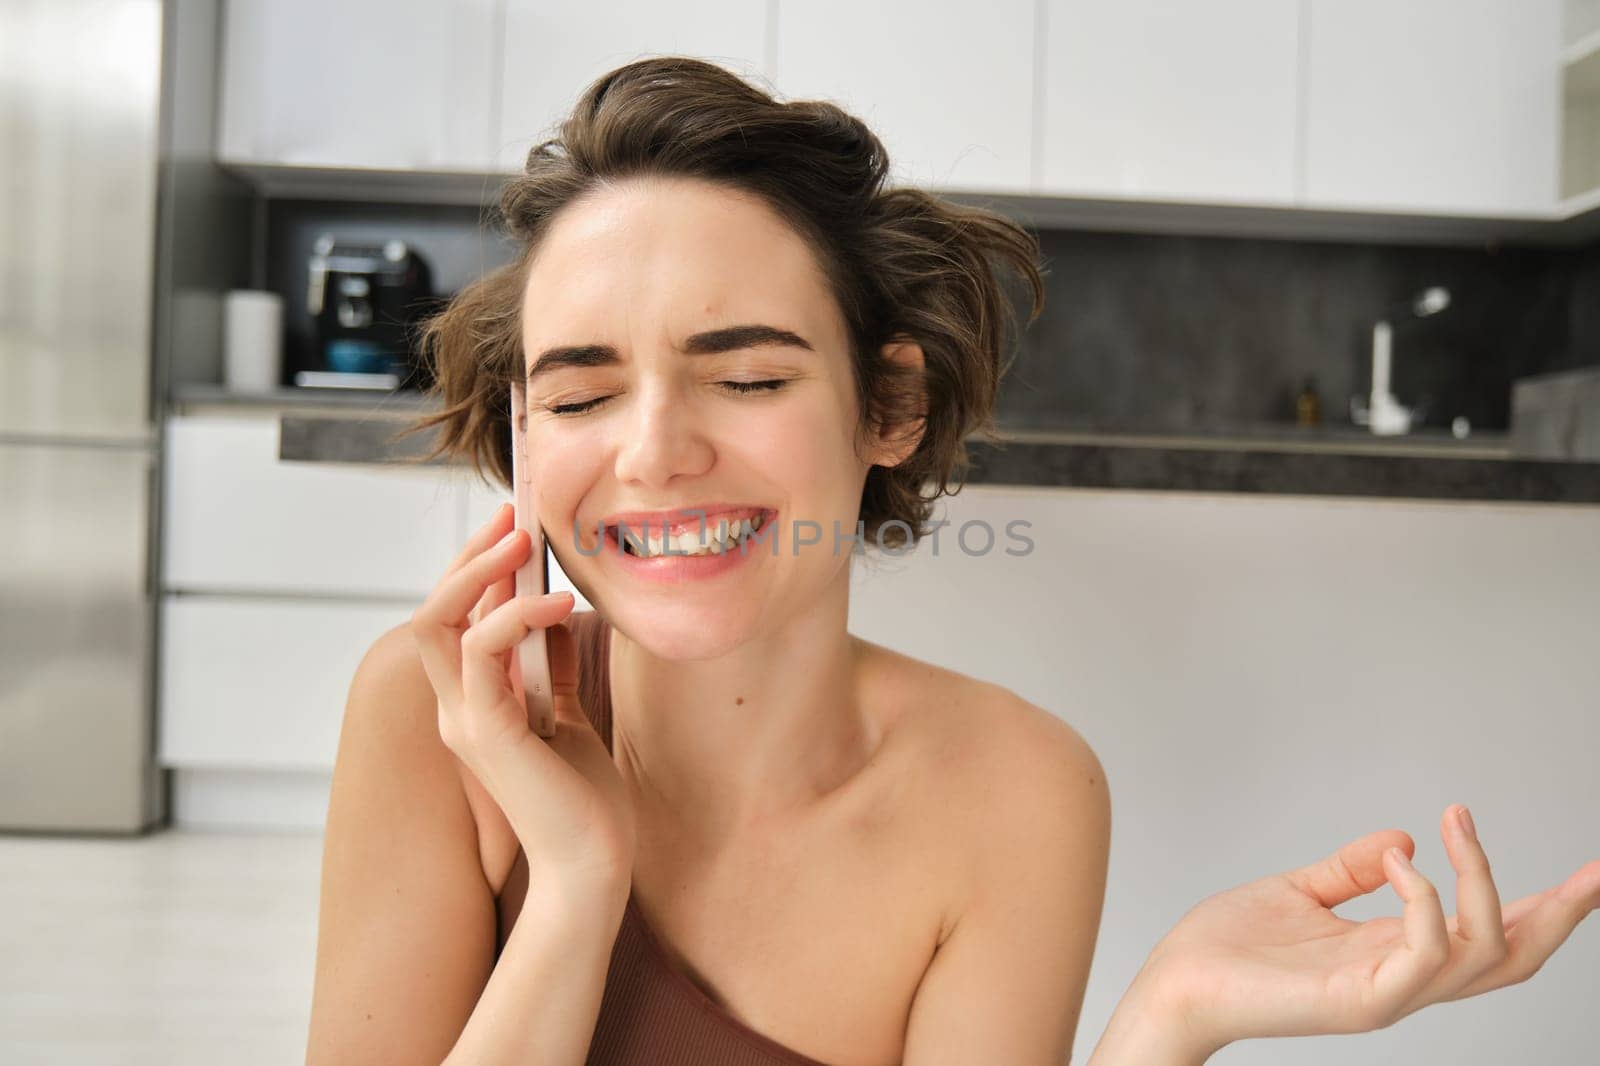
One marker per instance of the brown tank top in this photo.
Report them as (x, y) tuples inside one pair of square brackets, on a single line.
[(652, 1013)]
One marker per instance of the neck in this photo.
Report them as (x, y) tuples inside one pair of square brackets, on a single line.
[(746, 739)]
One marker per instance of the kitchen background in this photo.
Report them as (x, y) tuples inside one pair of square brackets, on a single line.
[(1278, 628), (1159, 332)]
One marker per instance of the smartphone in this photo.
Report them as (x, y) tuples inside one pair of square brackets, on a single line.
[(533, 576)]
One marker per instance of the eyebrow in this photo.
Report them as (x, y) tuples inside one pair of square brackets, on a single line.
[(712, 342)]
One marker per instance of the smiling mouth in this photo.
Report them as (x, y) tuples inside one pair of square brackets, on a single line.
[(704, 539)]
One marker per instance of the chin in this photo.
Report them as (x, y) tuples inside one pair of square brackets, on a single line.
[(683, 629)]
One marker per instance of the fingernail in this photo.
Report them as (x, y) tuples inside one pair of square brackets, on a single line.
[(1466, 824), (506, 539), (1400, 857)]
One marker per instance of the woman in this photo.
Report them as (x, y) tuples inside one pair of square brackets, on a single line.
[(755, 838)]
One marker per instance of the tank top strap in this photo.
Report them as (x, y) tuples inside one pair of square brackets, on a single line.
[(592, 637)]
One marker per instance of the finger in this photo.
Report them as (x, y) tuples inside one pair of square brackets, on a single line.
[(1354, 870), (439, 625), (1407, 970), (486, 684), (482, 608), (1542, 930), (455, 595), (1477, 899), (1479, 942), (496, 527), (1513, 912), (497, 593)]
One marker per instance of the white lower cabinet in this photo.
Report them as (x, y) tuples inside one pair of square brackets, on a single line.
[(253, 684), (239, 519), (276, 579)]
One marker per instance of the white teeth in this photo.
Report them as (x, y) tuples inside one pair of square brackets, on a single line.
[(721, 537)]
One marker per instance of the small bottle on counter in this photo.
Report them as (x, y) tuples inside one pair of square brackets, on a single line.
[(1308, 405)]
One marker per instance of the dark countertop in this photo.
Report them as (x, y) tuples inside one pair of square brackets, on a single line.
[(332, 425), (1207, 467), (402, 402)]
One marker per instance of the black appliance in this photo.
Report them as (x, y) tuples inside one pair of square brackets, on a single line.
[(365, 302)]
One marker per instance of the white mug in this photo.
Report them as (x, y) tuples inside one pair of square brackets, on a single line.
[(252, 340)]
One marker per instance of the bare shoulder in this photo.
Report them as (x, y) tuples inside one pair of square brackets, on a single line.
[(406, 926), (393, 660), (391, 698), (394, 657), (393, 669), (1024, 807), (1007, 782), (973, 729)]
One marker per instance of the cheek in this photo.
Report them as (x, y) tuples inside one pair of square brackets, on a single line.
[(566, 465), (804, 451)]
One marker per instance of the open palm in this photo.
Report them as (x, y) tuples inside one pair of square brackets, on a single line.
[(1270, 958)]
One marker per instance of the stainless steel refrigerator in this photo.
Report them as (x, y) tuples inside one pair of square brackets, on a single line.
[(80, 102)]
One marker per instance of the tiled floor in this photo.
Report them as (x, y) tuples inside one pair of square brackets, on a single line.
[(175, 948)]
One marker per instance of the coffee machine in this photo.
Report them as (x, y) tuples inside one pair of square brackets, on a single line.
[(365, 301)]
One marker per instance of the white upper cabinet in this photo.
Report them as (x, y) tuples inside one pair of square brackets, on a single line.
[(1444, 107), (1438, 106), (553, 50), (948, 87), (404, 84), (1147, 99)]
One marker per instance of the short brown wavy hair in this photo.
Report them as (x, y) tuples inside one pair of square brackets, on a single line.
[(902, 264)]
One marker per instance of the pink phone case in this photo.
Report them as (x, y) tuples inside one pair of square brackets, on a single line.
[(532, 579)]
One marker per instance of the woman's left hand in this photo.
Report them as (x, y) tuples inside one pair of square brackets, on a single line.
[(1270, 958)]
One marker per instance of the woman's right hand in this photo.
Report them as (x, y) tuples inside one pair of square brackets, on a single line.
[(563, 796)]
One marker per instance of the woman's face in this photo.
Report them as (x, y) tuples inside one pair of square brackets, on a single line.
[(643, 419)]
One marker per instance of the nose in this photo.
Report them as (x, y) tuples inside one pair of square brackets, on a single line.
[(661, 438)]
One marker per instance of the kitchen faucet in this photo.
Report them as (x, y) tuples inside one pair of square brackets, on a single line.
[(1383, 412)]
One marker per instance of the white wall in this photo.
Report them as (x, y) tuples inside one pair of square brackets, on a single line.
[(1265, 678)]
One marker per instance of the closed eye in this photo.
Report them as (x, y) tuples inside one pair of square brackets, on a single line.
[(770, 385), (741, 387), (575, 408)]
